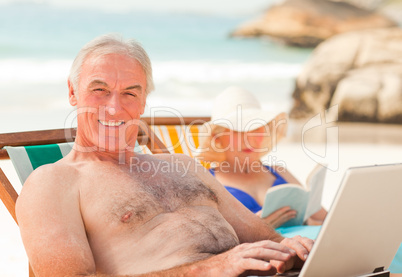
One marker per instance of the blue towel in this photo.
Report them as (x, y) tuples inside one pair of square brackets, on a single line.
[(396, 265), (312, 233)]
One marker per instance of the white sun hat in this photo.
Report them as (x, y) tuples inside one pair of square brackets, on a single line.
[(237, 109)]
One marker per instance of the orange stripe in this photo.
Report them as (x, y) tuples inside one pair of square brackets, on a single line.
[(194, 133), (174, 137)]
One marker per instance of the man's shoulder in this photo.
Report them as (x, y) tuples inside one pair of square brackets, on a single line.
[(55, 173), (50, 183), (172, 157), (179, 160), (176, 161)]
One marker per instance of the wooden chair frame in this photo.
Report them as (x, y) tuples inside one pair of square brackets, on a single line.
[(146, 137)]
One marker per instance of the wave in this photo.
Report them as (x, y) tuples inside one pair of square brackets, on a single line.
[(55, 71), (34, 71), (200, 71)]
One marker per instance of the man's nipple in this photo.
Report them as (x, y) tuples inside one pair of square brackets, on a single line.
[(126, 217)]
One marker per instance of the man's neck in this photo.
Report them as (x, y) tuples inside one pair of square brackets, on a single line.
[(123, 156)]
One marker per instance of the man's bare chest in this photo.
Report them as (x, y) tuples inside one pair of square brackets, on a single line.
[(115, 196)]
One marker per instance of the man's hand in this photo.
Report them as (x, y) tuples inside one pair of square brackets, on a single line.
[(279, 217), (302, 246), (248, 259)]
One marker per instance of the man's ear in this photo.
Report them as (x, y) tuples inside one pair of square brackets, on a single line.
[(72, 97)]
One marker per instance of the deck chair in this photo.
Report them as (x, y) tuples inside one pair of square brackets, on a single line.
[(36, 148), (179, 135)]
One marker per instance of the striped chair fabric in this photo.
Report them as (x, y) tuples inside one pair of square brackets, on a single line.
[(27, 158), (180, 139)]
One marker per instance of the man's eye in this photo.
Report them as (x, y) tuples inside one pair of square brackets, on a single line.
[(131, 94), (99, 89)]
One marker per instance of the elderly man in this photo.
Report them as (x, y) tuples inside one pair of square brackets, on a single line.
[(97, 212)]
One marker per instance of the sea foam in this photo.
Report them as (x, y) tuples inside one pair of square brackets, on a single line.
[(51, 71)]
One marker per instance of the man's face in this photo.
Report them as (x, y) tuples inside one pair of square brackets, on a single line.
[(111, 98)]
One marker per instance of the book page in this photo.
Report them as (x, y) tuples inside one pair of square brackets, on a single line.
[(291, 195)]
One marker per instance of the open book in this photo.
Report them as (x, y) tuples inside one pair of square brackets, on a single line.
[(305, 200)]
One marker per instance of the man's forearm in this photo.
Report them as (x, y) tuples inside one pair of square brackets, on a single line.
[(268, 232), (258, 257), (190, 269)]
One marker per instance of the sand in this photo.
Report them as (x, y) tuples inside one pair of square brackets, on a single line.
[(340, 146)]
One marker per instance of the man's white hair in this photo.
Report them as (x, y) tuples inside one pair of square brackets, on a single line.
[(112, 44)]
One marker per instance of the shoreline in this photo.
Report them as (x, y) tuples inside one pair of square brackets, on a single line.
[(349, 132)]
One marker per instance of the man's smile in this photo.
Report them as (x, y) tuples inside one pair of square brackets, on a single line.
[(111, 123)]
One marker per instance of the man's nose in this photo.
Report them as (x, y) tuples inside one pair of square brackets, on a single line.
[(113, 104)]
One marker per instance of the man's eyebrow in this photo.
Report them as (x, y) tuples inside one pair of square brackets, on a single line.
[(139, 87), (98, 82)]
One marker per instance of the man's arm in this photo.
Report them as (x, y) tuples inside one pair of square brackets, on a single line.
[(52, 230), (244, 260)]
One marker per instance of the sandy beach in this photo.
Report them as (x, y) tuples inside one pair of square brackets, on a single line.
[(351, 145)]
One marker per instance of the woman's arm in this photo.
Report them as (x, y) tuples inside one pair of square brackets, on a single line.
[(317, 218)]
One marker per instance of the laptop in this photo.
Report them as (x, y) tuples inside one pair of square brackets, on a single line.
[(363, 229)]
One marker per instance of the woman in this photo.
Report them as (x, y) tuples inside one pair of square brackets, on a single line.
[(239, 134)]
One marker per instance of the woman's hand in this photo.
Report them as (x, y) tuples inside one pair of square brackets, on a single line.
[(279, 217)]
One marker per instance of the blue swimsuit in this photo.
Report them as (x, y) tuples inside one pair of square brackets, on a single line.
[(245, 198)]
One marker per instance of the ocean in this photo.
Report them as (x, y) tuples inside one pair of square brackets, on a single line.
[(193, 56)]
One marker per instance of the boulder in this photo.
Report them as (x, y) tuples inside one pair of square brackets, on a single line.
[(306, 23), (359, 72), (393, 10)]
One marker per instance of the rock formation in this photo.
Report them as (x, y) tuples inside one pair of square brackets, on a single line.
[(306, 23), (360, 71)]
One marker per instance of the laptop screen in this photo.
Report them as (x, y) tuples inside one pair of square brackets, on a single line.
[(363, 228)]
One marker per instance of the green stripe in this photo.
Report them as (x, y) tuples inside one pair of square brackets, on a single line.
[(43, 154)]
